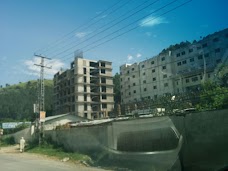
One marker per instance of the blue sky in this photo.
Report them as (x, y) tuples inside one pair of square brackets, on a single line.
[(39, 26)]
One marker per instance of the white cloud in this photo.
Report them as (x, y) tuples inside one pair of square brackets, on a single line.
[(149, 34), (129, 57), (81, 34), (56, 65), (32, 69), (138, 55), (152, 21)]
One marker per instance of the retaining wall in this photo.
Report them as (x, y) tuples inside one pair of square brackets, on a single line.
[(205, 139)]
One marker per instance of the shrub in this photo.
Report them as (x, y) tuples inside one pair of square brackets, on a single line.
[(8, 140)]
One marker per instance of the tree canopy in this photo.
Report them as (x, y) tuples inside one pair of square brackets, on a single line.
[(16, 101), (213, 96)]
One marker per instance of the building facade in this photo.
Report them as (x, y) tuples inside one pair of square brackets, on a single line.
[(178, 69), (86, 89)]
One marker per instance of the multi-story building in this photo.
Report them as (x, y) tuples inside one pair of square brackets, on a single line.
[(86, 89), (180, 68)]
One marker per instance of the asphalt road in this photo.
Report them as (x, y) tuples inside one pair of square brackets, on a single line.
[(14, 161)]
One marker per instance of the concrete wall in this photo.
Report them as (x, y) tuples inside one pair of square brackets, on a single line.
[(79, 139), (205, 138)]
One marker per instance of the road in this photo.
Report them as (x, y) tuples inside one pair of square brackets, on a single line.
[(15, 161)]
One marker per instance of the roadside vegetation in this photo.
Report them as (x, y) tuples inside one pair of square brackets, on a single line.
[(209, 96), (7, 141), (50, 149), (213, 96), (59, 153), (16, 101)]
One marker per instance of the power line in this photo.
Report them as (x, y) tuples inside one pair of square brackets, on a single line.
[(127, 26), (81, 26), (109, 27), (138, 25), (121, 34), (32, 73), (88, 22), (127, 12)]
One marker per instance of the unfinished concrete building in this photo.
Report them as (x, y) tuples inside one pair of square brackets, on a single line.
[(86, 89)]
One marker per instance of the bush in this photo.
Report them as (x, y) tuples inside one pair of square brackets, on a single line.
[(8, 140)]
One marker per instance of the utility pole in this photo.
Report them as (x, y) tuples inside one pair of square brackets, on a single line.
[(204, 63), (36, 107), (41, 94)]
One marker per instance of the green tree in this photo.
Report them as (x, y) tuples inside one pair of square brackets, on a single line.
[(213, 96), (222, 74), (16, 101)]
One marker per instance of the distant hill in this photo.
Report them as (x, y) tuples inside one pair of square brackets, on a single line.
[(16, 101)]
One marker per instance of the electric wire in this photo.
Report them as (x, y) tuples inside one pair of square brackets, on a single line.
[(90, 24), (139, 25), (131, 28), (83, 25), (115, 32), (126, 31), (109, 27), (127, 12)]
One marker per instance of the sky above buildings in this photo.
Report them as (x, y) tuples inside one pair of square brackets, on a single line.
[(120, 31)]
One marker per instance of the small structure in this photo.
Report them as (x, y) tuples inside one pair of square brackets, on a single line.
[(52, 122)]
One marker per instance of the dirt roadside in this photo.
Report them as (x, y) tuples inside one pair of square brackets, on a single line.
[(14, 150), (10, 149)]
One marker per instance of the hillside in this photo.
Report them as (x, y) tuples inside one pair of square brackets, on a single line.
[(16, 101)]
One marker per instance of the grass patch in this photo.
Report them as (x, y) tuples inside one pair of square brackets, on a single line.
[(59, 153)]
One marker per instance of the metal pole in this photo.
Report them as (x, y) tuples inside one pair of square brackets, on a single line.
[(42, 84), (41, 97)]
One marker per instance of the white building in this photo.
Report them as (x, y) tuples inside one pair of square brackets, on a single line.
[(177, 69)]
